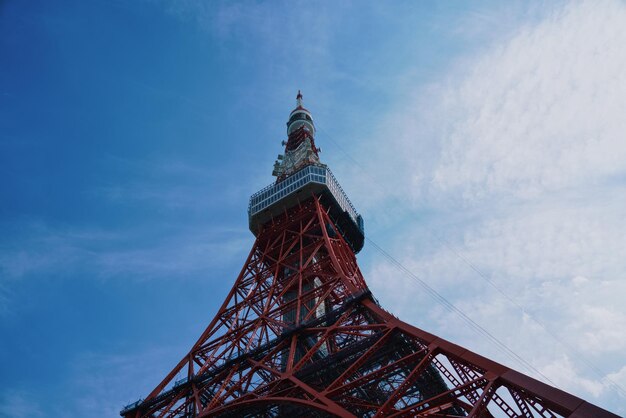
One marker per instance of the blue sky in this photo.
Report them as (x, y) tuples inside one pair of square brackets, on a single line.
[(472, 136)]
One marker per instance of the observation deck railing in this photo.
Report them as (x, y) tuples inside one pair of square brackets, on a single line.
[(269, 195)]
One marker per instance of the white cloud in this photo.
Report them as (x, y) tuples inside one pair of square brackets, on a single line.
[(535, 113), (619, 377), (543, 111), (519, 157), (563, 372)]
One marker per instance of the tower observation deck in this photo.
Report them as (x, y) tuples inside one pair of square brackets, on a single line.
[(300, 334)]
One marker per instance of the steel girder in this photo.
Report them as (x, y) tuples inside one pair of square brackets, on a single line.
[(300, 334)]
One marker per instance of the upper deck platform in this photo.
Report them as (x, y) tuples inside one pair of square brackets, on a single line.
[(311, 180)]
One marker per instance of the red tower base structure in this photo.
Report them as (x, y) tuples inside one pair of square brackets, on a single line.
[(300, 335)]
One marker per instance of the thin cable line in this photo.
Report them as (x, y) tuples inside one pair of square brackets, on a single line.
[(543, 326), (451, 307), (603, 376)]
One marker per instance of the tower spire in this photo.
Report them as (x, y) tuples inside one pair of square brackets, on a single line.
[(300, 149), (299, 99)]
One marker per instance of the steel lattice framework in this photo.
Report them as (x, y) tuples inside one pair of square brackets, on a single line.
[(300, 335)]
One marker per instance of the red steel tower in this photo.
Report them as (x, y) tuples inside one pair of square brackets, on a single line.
[(300, 335)]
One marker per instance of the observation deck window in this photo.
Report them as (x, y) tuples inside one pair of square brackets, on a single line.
[(310, 174)]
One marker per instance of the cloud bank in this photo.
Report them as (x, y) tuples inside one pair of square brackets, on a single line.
[(520, 153)]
